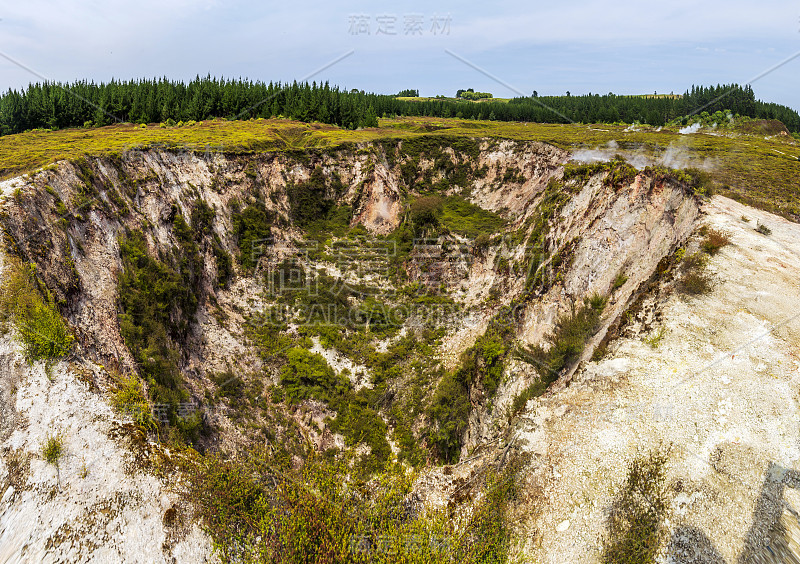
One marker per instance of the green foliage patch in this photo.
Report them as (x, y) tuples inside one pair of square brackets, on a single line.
[(636, 521), (465, 218), (157, 302), (307, 375), (566, 344), (252, 227), (259, 510), (128, 398), (53, 448), (41, 330)]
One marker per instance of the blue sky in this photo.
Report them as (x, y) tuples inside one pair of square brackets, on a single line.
[(582, 46)]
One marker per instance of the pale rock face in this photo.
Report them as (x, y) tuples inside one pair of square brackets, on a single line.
[(625, 231), (721, 388), (97, 506)]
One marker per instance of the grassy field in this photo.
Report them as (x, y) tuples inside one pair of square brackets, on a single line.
[(673, 96), (764, 171), (449, 99)]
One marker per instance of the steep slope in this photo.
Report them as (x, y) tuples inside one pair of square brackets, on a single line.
[(391, 301), (720, 385)]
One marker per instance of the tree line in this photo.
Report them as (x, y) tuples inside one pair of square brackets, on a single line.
[(57, 105)]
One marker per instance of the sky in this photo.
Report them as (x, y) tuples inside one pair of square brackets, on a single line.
[(507, 47)]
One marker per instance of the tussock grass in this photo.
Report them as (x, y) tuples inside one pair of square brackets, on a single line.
[(655, 339), (619, 281)]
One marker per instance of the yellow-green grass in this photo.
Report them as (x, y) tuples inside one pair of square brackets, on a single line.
[(673, 96), (762, 171), (448, 99)]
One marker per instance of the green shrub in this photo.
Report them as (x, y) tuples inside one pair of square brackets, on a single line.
[(636, 521), (763, 229), (44, 334), (224, 263), (484, 361), (157, 302), (53, 448), (202, 218), (42, 331), (425, 211), (311, 200), (307, 375), (259, 510), (252, 227), (619, 281), (568, 339), (127, 398), (699, 182)]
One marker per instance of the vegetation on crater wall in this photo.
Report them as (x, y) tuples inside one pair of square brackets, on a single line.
[(565, 346), (260, 510), (157, 302), (28, 304), (252, 228)]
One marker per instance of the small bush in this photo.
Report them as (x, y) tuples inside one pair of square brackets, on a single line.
[(763, 229), (636, 521), (714, 241), (425, 211), (695, 283), (53, 449), (252, 227), (41, 329), (568, 339), (128, 398), (619, 281), (695, 280)]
